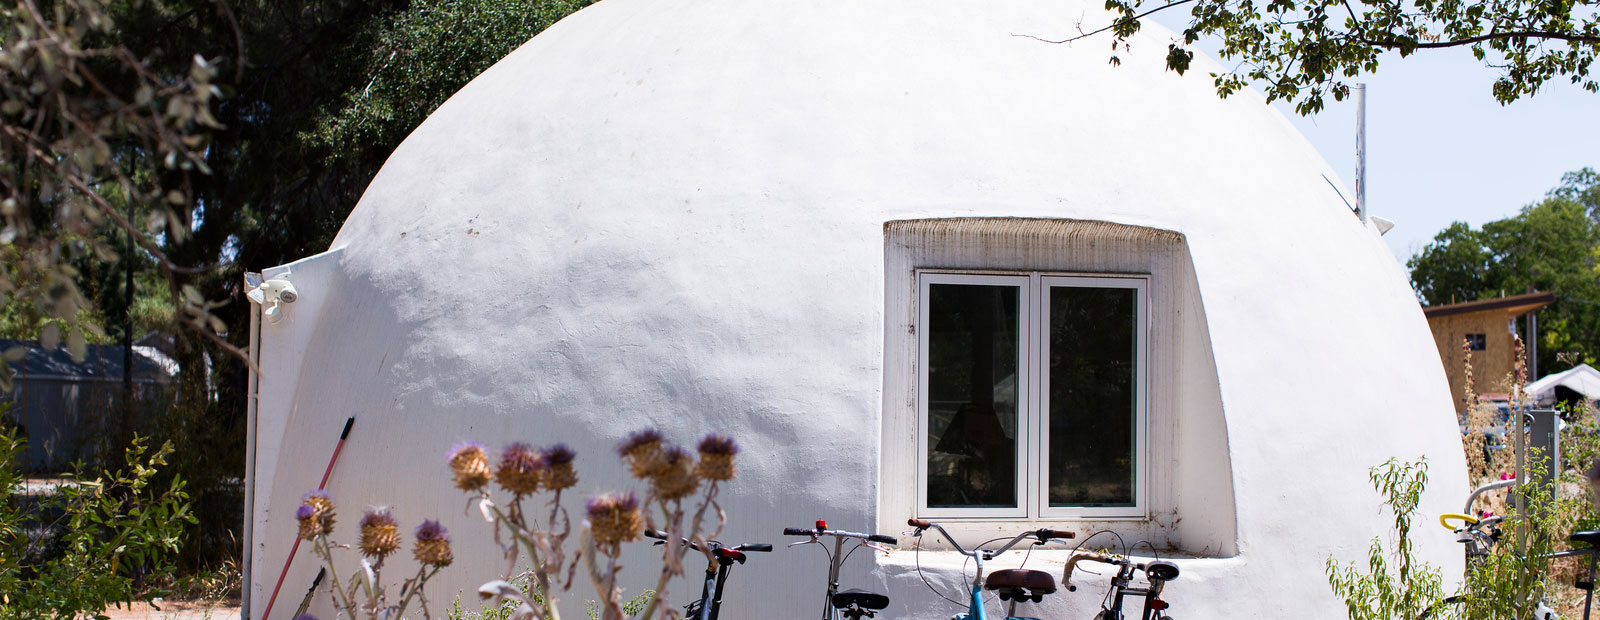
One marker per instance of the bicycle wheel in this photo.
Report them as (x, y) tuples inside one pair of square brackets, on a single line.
[(1441, 608)]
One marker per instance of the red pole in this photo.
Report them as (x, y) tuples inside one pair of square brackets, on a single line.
[(296, 547)]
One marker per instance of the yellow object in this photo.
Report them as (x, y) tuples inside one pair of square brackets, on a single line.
[(1445, 518)]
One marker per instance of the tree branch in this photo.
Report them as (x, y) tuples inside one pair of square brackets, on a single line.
[(1519, 34), (1105, 28)]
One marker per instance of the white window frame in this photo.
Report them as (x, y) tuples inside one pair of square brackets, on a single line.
[(1141, 432), (1024, 392), (1032, 455)]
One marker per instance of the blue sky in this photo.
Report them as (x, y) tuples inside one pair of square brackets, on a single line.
[(1441, 149)]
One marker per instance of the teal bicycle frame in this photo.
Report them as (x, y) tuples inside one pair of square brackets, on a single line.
[(975, 610)]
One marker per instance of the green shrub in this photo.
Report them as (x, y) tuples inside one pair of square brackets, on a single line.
[(86, 544), (1403, 590)]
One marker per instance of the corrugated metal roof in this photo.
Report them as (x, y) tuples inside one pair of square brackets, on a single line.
[(100, 362)]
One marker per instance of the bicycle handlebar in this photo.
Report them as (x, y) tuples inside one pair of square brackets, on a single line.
[(822, 531), (1043, 535), (660, 535), (1446, 518), (1089, 556), (1156, 570)]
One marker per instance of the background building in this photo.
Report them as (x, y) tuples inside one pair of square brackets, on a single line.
[(1488, 328)]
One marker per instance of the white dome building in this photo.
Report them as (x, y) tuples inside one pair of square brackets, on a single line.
[(916, 265)]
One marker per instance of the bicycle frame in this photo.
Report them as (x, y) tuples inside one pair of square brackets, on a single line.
[(717, 568), (975, 610), (1479, 539), (1154, 607), (836, 559)]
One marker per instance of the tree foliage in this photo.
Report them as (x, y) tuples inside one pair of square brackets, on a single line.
[(1552, 245), (1302, 51), (103, 532), (217, 136)]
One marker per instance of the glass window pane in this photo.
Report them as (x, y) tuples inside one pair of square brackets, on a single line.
[(1092, 403), (972, 395)]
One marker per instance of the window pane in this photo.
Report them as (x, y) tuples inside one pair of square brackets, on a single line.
[(1092, 406), (972, 395)]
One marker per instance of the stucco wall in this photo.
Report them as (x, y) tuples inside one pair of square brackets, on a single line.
[(671, 213)]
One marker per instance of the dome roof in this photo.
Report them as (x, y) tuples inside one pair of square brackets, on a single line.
[(672, 212)]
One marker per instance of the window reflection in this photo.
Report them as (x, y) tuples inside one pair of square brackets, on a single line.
[(1091, 389), (972, 395)]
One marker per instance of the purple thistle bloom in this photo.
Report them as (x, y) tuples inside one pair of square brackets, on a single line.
[(638, 438), (522, 457), (718, 444), (672, 456), (377, 516), (305, 512), (432, 530), (610, 502), (317, 494), (462, 447), (559, 454)]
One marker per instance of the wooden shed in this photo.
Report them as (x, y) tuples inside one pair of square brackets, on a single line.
[(1487, 328)]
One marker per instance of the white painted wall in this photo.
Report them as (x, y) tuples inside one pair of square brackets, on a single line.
[(672, 212)]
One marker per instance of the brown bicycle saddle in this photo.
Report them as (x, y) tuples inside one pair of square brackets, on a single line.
[(1036, 581)]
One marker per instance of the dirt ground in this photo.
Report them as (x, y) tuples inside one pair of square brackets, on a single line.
[(176, 610)]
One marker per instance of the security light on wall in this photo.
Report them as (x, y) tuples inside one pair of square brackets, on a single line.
[(270, 294)]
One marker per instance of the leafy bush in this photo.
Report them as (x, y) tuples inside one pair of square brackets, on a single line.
[(88, 543), (1408, 588), (1515, 576)]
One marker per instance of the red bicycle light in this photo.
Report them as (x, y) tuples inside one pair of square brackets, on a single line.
[(822, 525), (1158, 604)]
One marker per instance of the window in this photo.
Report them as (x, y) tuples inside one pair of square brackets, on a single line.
[(1031, 395), (1476, 342)]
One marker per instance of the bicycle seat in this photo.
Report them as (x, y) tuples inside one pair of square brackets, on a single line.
[(860, 598), (1592, 537), (1020, 583), (1161, 570)]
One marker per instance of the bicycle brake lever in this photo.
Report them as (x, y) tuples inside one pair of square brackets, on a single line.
[(876, 547), (803, 542)]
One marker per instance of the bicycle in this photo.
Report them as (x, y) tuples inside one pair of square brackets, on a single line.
[(717, 568), (853, 603), (1481, 535), (1157, 574), (1013, 585)]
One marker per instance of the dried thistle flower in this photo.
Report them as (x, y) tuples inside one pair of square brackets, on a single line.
[(433, 544), (470, 463), (521, 469), (642, 451), (674, 476), (310, 527), (716, 457), (315, 515), (380, 535), (615, 518), (560, 474)]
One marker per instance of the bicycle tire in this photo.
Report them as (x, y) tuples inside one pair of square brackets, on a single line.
[(1436, 607)]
